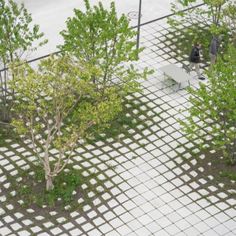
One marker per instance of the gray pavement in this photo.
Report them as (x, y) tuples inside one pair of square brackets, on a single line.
[(51, 15)]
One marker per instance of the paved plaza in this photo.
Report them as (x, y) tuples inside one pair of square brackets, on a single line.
[(51, 15), (153, 180)]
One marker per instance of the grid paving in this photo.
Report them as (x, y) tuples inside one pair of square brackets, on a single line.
[(153, 181)]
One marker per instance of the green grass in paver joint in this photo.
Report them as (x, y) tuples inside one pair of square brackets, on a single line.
[(31, 188), (6, 132), (185, 39), (221, 171), (126, 120), (229, 175), (180, 39)]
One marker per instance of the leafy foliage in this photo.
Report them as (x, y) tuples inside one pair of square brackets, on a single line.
[(230, 20), (17, 38), (98, 37), (212, 115), (202, 23), (56, 105), (66, 187), (16, 32)]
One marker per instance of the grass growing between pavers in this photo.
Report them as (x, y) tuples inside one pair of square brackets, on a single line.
[(29, 188), (130, 118), (6, 132), (181, 40), (76, 193), (77, 199), (87, 190), (177, 40), (28, 185), (210, 173), (230, 175)]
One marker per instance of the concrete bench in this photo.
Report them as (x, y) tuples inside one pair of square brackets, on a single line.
[(176, 73)]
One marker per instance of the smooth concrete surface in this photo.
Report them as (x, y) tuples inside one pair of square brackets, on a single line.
[(52, 14)]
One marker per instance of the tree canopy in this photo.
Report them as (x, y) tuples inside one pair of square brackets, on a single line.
[(17, 34), (18, 37), (212, 115), (104, 40), (55, 106)]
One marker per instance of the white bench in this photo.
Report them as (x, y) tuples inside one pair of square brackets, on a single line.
[(175, 73)]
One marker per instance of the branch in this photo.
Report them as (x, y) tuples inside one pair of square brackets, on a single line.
[(33, 141), (57, 168)]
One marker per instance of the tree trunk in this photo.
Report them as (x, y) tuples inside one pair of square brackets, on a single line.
[(49, 183), (234, 39), (5, 109), (6, 118), (47, 169)]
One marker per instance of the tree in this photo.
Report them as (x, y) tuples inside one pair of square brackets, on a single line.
[(202, 23), (55, 107), (17, 39), (212, 115), (229, 20), (212, 13), (98, 37)]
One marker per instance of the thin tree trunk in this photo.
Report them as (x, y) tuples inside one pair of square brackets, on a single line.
[(47, 169), (6, 115), (234, 152), (49, 183)]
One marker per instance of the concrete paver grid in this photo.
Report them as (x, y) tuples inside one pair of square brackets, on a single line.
[(152, 190)]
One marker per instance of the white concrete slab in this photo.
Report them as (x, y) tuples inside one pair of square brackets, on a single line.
[(51, 15)]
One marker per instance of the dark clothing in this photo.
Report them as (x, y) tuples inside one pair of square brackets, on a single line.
[(195, 55), (214, 46)]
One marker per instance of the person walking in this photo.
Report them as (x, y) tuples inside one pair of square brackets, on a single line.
[(214, 49), (195, 60)]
